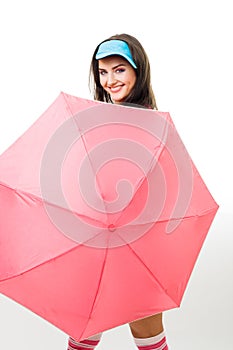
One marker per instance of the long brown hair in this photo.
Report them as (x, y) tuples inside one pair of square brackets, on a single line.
[(142, 93)]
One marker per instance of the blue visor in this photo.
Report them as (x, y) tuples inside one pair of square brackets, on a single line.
[(115, 47)]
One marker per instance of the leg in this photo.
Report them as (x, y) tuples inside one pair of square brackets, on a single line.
[(147, 327), (148, 333)]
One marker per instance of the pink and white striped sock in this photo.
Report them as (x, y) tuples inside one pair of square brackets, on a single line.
[(158, 342), (86, 344)]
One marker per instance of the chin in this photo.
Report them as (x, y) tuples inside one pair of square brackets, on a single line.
[(117, 100)]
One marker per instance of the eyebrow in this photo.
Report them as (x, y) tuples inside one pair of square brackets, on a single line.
[(118, 65)]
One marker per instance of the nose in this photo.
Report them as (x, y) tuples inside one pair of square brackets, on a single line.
[(111, 79)]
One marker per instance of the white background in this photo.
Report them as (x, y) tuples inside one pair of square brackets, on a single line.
[(46, 47)]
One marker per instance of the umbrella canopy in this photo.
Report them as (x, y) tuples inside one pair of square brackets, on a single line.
[(103, 215)]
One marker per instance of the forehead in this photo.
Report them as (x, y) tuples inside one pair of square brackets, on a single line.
[(112, 61)]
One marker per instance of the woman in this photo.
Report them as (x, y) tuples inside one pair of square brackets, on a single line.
[(120, 71)]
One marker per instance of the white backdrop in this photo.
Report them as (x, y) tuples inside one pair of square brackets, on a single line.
[(46, 47)]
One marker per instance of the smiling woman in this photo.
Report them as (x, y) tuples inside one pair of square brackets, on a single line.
[(120, 73), (132, 74), (117, 77)]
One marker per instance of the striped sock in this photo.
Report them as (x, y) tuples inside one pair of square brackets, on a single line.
[(158, 342), (86, 344)]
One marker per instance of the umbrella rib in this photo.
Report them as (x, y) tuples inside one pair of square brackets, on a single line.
[(157, 152), (41, 264), (148, 270), (82, 138), (35, 198), (98, 287), (203, 213), (53, 258)]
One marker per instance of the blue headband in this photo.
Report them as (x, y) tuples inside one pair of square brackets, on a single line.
[(115, 47)]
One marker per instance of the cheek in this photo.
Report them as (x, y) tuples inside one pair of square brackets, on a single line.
[(132, 79), (131, 83)]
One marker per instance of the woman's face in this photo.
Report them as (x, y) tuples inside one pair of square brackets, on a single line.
[(117, 77)]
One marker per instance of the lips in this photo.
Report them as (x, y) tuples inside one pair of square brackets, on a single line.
[(116, 89)]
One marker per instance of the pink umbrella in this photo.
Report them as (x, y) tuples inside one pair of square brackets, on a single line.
[(103, 215)]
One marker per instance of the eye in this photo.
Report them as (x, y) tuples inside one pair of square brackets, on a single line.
[(120, 70), (102, 72)]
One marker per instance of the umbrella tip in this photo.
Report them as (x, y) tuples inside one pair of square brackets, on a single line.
[(111, 227)]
